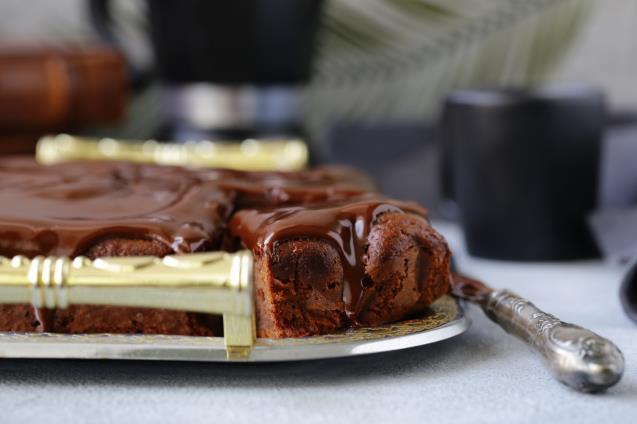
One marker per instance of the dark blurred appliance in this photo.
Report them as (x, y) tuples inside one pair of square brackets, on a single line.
[(228, 69), (401, 156), (522, 167)]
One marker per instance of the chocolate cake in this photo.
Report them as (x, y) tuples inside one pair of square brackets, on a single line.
[(329, 254)]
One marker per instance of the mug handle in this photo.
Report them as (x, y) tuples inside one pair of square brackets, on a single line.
[(102, 20)]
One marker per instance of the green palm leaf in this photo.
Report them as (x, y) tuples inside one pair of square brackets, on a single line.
[(394, 59)]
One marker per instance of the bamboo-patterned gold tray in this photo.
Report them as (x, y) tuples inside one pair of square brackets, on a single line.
[(214, 282)]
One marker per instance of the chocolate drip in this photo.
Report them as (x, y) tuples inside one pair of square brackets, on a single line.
[(45, 319), (346, 225)]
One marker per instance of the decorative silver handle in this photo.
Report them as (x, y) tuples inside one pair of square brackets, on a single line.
[(576, 356)]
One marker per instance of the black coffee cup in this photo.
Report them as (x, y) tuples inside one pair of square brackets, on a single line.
[(522, 167)]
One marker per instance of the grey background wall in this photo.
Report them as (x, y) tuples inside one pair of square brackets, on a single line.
[(606, 52)]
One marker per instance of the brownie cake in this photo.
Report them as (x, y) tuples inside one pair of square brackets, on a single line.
[(329, 254), (325, 266)]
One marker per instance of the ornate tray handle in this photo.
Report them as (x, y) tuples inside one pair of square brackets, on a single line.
[(218, 283), (251, 155)]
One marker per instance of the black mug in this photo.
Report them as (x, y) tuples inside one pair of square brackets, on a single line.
[(522, 167)]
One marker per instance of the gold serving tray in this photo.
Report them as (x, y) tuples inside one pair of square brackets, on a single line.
[(214, 282)]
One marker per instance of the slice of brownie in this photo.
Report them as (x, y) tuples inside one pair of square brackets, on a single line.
[(69, 209), (107, 209), (324, 267)]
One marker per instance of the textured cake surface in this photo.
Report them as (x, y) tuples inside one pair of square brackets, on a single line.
[(328, 253)]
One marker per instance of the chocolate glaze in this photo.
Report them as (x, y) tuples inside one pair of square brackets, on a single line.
[(344, 224), (64, 209), (320, 184)]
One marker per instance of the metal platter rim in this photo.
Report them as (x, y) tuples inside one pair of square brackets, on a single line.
[(212, 349), (446, 331)]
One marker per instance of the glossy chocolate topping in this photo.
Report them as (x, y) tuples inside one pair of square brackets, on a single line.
[(64, 209), (255, 189), (344, 224)]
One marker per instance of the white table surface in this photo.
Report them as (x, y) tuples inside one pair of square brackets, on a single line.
[(481, 376)]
